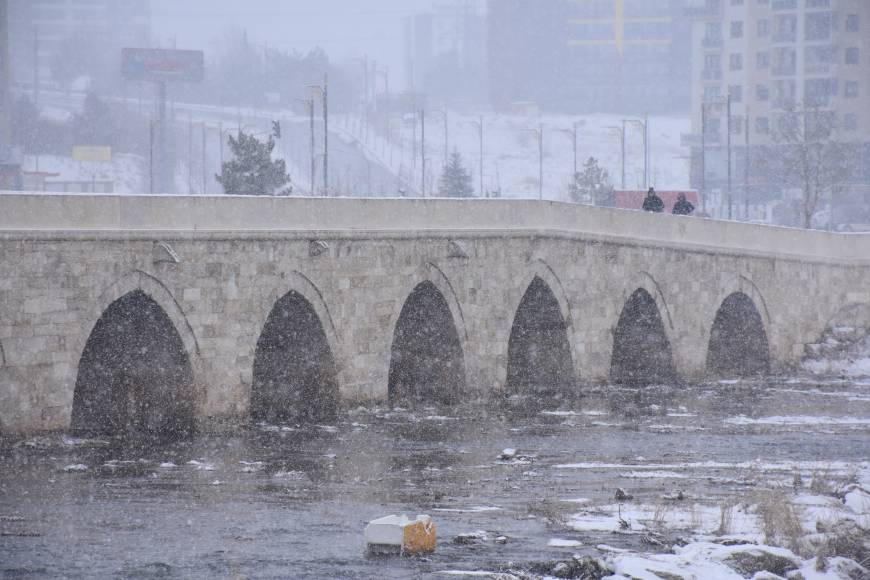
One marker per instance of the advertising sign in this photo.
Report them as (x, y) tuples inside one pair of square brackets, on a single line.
[(158, 64), (91, 153)]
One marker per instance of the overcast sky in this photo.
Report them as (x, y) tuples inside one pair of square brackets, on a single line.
[(344, 28)]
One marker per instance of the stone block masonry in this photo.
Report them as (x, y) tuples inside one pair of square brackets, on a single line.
[(217, 266)]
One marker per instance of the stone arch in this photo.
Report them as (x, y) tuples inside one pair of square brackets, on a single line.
[(641, 351), (295, 374), (300, 283), (540, 358), (644, 280), (157, 291), (538, 268), (135, 375), (427, 354), (739, 343)]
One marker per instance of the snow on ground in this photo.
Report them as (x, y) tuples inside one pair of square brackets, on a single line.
[(127, 172), (511, 153)]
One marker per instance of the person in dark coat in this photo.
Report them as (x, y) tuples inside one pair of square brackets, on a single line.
[(652, 202), (683, 206)]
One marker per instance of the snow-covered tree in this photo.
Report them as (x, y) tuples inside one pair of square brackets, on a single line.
[(592, 185), (253, 171), (807, 155), (456, 180)]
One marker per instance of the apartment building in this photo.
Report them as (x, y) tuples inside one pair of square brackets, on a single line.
[(619, 56), (37, 29), (767, 55)]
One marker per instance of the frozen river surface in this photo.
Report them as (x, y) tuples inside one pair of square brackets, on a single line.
[(287, 501)]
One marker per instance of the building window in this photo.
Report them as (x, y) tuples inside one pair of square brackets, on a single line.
[(735, 61), (819, 91), (736, 92), (736, 2), (852, 23), (850, 122), (762, 60), (763, 27), (762, 93), (820, 55), (850, 90), (762, 125), (852, 55), (818, 26), (785, 28), (737, 29), (737, 125), (712, 93)]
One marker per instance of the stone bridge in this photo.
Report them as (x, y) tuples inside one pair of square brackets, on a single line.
[(155, 312)]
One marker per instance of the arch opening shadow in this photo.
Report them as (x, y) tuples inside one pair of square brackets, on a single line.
[(539, 355), (295, 376), (738, 341), (641, 350), (134, 377), (426, 360)]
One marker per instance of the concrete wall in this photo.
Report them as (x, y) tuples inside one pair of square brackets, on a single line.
[(217, 265)]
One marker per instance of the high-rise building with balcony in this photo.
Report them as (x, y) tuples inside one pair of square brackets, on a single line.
[(767, 56)]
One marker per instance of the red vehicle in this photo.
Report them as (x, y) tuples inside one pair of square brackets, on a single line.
[(634, 199)]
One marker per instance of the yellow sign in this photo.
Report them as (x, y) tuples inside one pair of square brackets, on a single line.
[(91, 153), (619, 21)]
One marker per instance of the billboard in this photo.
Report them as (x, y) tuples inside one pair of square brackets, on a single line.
[(159, 65)]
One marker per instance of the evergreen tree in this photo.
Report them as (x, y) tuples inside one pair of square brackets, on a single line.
[(96, 124), (456, 180), (592, 185), (253, 172)]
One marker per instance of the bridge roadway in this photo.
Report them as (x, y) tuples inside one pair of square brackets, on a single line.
[(155, 312)]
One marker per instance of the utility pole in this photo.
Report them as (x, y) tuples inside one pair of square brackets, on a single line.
[(189, 156), (575, 149), (150, 155), (310, 104), (162, 156), (423, 151), (541, 162), (728, 131), (221, 139), (622, 181), (480, 127), (5, 101), (646, 148), (446, 129), (325, 135), (746, 169), (703, 155), (204, 162), (36, 66)]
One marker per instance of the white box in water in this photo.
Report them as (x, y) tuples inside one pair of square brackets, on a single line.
[(401, 534)]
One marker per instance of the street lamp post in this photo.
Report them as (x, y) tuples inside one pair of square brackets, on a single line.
[(479, 125), (643, 125), (323, 91), (539, 132), (620, 131), (573, 133)]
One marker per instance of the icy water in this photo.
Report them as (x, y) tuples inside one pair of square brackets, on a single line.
[(286, 501)]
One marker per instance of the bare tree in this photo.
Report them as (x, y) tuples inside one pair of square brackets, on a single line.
[(808, 156)]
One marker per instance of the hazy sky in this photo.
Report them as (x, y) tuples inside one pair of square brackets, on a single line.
[(344, 28)]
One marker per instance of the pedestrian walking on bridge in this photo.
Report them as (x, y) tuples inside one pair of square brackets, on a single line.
[(653, 202), (683, 206)]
